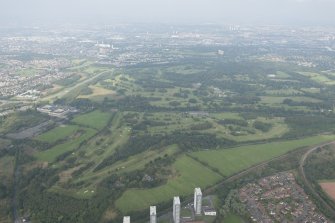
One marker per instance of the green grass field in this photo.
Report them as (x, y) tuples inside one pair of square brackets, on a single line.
[(95, 119), (57, 133), (230, 161), (225, 115), (93, 70), (319, 78), (249, 133), (51, 154), (191, 174), (283, 92), (135, 162), (27, 72), (279, 100), (98, 93), (281, 74), (20, 120), (6, 167), (138, 161), (232, 218), (4, 143)]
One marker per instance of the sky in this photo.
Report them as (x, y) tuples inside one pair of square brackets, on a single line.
[(257, 12)]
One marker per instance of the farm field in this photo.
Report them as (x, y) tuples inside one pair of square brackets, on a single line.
[(329, 188)]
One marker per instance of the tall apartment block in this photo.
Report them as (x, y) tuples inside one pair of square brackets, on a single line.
[(126, 219), (197, 201), (176, 210), (153, 215)]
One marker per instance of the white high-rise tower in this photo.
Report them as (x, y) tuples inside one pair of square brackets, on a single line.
[(197, 201), (153, 216), (176, 210), (126, 219)]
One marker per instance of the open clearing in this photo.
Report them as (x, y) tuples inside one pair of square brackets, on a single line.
[(329, 188)]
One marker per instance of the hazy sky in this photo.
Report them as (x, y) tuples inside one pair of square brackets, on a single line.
[(307, 12)]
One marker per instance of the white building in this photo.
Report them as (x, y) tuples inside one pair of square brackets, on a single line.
[(210, 212), (176, 210), (153, 215), (197, 201), (221, 52), (126, 219)]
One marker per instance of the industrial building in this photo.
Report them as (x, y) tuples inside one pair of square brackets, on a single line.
[(176, 210), (197, 201)]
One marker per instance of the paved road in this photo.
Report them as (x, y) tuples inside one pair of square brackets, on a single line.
[(309, 184)]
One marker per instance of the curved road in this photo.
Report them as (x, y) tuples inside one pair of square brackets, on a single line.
[(309, 184)]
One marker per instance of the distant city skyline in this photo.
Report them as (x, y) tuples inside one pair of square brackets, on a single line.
[(249, 12)]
